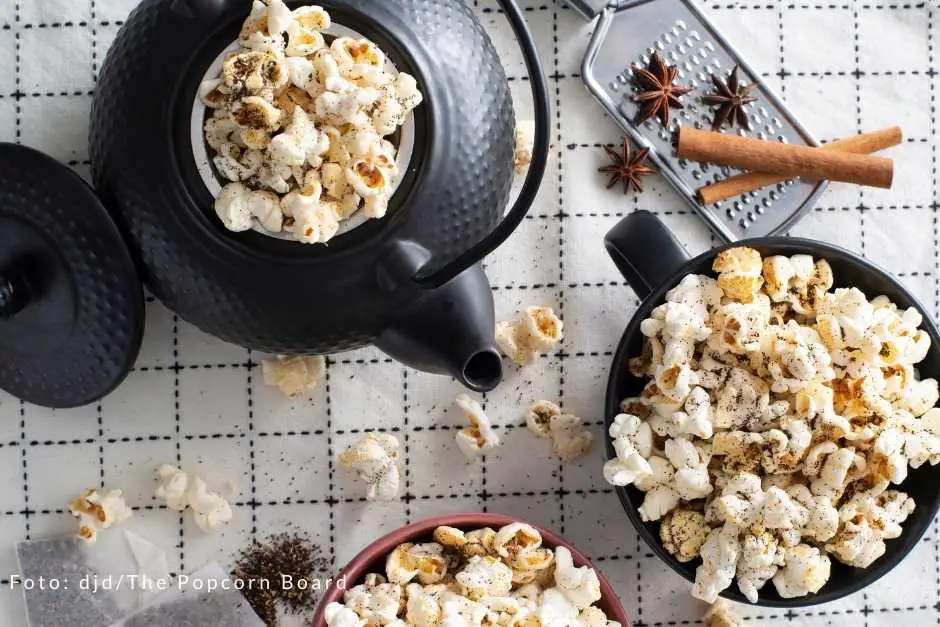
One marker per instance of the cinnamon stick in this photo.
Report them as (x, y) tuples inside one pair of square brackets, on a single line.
[(866, 143), (786, 160)]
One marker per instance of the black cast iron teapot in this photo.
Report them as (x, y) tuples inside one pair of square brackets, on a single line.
[(410, 283)]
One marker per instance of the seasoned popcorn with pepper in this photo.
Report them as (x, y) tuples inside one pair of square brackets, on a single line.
[(441, 584), (777, 413), (280, 109), (537, 330)]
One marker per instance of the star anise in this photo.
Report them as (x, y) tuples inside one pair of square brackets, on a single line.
[(627, 167), (730, 96), (659, 91)]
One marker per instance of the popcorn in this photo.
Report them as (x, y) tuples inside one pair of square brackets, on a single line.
[(683, 532), (440, 584), (659, 485), (720, 614), (98, 510), (691, 476), (538, 330), (806, 571), (181, 490), (479, 437), (375, 459), (338, 615), (277, 108), (377, 605), (830, 466), (570, 439), (408, 561), (739, 273), (720, 555), (525, 143), (760, 558), (782, 410), (484, 577), (293, 376), (539, 418), (579, 585)]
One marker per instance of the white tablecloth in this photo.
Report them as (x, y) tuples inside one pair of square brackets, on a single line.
[(843, 66)]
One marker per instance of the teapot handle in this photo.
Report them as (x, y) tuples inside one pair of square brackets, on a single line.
[(533, 180), (645, 251)]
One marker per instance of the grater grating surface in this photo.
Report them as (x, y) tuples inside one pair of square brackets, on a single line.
[(625, 36)]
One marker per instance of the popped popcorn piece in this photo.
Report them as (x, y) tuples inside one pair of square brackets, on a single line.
[(683, 532), (537, 330), (539, 418), (525, 143), (806, 572), (293, 376), (697, 418), (761, 557), (375, 459), (720, 555), (479, 437), (691, 475), (181, 490), (98, 510), (484, 577), (338, 615), (739, 273), (661, 495), (570, 439), (720, 614), (424, 561), (580, 585), (450, 537)]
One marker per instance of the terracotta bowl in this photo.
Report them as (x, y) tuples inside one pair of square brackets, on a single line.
[(372, 558)]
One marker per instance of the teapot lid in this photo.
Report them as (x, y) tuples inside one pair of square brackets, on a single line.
[(71, 302)]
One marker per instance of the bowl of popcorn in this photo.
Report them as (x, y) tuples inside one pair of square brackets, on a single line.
[(772, 415), (471, 569)]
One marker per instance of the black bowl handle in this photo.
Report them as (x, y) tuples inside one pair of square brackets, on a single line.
[(645, 251), (533, 180)]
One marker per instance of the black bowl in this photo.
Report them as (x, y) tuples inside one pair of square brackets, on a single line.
[(654, 262)]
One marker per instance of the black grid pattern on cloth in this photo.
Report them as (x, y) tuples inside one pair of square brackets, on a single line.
[(202, 404)]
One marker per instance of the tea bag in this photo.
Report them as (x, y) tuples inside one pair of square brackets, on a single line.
[(67, 582), (197, 601), (94, 584)]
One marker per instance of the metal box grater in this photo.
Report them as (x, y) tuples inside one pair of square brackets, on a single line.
[(626, 33)]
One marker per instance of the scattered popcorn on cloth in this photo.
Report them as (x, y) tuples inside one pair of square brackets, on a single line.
[(477, 438), (181, 490), (538, 330), (97, 510), (294, 376), (375, 459), (570, 438), (777, 413), (298, 126), (525, 144), (722, 614), (479, 577)]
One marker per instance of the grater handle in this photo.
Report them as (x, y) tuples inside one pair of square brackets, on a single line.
[(645, 251), (588, 9)]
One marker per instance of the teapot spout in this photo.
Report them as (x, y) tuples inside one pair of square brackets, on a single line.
[(449, 330)]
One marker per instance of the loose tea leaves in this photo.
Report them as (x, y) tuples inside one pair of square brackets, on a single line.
[(286, 558)]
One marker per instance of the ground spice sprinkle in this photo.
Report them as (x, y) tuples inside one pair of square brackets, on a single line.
[(282, 572)]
